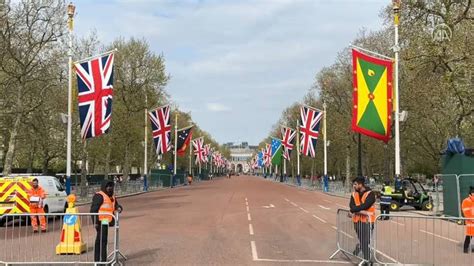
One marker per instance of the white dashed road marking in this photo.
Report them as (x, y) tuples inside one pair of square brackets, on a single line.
[(323, 207), (304, 210), (322, 220), (442, 237), (251, 229)]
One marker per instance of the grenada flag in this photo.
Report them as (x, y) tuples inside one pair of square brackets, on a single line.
[(372, 96)]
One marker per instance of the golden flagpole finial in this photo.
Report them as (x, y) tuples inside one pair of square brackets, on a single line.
[(71, 10), (396, 11)]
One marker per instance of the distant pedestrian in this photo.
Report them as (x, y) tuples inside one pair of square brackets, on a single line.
[(362, 207), (468, 212), (105, 204), (436, 182)]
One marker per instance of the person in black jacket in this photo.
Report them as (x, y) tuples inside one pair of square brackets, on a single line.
[(362, 207), (102, 225)]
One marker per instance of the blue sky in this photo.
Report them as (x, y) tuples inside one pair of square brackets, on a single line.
[(235, 65)]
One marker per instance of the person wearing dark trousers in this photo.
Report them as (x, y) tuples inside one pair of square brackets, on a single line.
[(362, 207), (385, 201), (105, 204)]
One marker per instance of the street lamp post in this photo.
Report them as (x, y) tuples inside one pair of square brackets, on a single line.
[(71, 8)]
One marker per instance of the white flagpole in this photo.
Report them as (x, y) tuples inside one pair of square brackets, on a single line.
[(190, 156), (70, 12), (325, 142), (145, 160), (175, 142), (396, 49), (298, 147)]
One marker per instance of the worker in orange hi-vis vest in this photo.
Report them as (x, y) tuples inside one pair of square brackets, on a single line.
[(105, 204), (468, 212), (362, 207), (36, 196)]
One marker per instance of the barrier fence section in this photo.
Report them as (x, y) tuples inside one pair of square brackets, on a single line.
[(61, 243), (421, 240), (353, 236)]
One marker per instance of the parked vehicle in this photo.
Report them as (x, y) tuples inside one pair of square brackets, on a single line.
[(14, 194)]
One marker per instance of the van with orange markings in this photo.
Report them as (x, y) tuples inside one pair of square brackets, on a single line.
[(14, 194)]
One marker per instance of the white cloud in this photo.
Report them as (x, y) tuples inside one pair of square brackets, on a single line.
[(217, 107)]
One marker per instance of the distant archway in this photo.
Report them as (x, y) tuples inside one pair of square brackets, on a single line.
[(240, 168)]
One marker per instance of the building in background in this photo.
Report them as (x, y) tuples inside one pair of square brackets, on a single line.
[(240, 156)]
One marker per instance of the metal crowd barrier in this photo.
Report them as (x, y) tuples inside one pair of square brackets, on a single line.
[(354, 240), (421, 240), (20, 245)]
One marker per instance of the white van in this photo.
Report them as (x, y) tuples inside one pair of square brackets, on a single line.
[(56, 194)]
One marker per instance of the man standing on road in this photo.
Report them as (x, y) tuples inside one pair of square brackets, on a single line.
[(36, 195), (362, 207), (468, 212), (105, 204)]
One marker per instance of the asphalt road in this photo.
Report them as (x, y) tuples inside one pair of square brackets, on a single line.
[(248, 220), (209, 224)]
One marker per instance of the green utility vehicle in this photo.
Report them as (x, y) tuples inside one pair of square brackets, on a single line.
[(410, 193)]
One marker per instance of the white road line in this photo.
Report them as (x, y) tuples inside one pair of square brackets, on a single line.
[(325, 262), (333, 227), (287, 199), (245, 199), (346, 234), (397, 223), (248, 209), (251, 229), (388, 257), (445, 238), (294, 204), (248, 217), (254, 250), (322, 220), (253, 247), (323, 207), (304, 210)]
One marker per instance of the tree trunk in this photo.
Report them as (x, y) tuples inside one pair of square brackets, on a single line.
[(84, 170), (126, 166), (7, 168), (31, 156), (107, 159), (348, 168), (45, 164)]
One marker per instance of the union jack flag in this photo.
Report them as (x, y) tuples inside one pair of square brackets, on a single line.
[(288, 135), (207, 151), (95, 90), (199, 151), (161, 128), (310, 123), (267, 155)]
